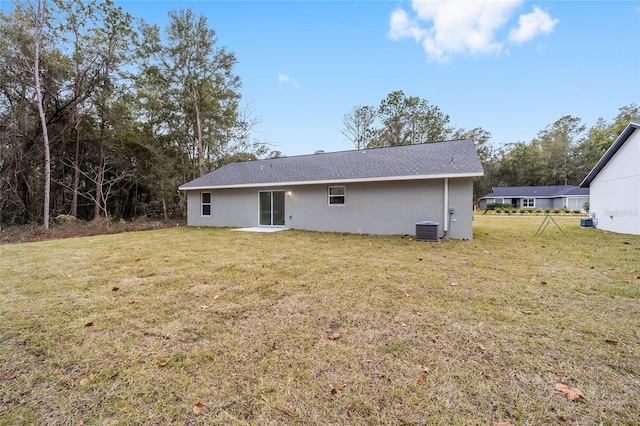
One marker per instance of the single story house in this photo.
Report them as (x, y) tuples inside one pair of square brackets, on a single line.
[(614, 183), (375, 191), (537, 197)]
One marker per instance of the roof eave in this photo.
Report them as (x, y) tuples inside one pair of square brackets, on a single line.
[(626, 133), (333, 181)]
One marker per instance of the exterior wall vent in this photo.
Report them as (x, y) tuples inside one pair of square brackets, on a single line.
[(427, 230)]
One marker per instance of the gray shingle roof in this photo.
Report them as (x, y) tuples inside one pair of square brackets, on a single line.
[(437, 159), (537, 191)]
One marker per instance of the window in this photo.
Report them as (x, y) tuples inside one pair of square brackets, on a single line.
[(576, 203), (206, 203), (336, 195), (528, 202), (498, 200)]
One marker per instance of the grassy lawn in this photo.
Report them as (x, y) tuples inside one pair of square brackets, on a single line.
[(208, 326)]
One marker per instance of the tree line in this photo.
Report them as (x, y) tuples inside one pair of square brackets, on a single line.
[(562, 153), (103, 115)]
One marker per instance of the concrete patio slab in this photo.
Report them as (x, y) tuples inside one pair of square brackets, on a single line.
[(261, 229)]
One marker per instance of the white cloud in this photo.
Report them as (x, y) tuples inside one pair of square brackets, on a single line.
[(449, 27), (532, 24), (285, 79), (401, 27)]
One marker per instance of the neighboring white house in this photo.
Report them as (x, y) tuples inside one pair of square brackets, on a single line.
[(614, 184), (537, 197), (374, 191)]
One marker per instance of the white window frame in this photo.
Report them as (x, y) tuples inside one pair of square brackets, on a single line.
[(525, 203), (576, 203), (203, 204), (343, 196)]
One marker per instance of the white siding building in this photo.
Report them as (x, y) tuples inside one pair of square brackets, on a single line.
[(615, 185)]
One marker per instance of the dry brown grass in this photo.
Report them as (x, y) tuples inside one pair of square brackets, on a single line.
[(238, 325)]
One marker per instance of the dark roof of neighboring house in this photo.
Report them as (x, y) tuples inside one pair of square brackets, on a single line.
[(455, 158), (553, 191), (626, 133)]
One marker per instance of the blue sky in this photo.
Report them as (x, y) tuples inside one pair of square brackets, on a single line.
[(511, 67)]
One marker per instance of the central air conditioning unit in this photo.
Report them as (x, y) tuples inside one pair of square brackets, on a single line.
[(586, 223), (427, 230)]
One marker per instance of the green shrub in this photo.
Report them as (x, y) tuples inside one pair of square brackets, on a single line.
[(65, 218), (556, 211), (547, 210), (495, 206), (577, 211), (499, 210)]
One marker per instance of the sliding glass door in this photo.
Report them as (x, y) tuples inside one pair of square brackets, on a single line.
[(272, 208)]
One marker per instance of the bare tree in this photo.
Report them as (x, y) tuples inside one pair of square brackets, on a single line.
[(40, 18), (104, 176), (357, 125)]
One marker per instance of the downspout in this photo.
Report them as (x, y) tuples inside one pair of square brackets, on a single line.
[(445, 225)]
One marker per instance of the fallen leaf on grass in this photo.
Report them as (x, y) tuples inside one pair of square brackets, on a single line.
[(481, 346), (11, 376), (421, 380), (89, 324), (86, 380), (216, 297), (197, 408), (115, 289), (334, 390), (503, 424), (611, 341), (543, 282), (572, 394), (80, 342), (334, 336), (162, 364), (138, 260), (282, 411), (453, 283)]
